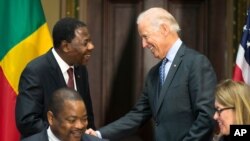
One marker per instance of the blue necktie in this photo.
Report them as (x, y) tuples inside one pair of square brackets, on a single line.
[(162, 71)]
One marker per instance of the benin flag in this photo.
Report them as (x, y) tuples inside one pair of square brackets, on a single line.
[(24, 35)]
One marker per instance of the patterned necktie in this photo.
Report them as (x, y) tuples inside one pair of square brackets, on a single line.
[(162, 71), (70, 83)]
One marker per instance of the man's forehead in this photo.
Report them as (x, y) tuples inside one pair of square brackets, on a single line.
[(82, 31), (144, 27)]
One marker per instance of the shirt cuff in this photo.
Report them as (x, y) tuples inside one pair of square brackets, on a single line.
[(99, 134)]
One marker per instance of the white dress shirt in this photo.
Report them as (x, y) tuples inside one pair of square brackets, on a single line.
[(51, 136), (64, 67), (171, 55)]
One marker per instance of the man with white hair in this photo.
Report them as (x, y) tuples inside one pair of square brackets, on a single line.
[(179, 91)]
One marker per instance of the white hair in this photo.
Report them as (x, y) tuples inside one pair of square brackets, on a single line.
[(158, 16)]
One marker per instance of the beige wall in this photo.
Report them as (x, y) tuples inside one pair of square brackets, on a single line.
[(55, 9), (51, 10)]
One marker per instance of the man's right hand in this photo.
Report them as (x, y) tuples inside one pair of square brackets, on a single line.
[(92, 132)]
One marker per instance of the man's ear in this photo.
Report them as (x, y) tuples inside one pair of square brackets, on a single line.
[(65, 46), (164, 29), (50, 117)]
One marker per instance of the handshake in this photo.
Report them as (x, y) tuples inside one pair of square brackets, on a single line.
[(92, 132)]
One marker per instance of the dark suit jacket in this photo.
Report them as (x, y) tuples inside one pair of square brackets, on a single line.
[(224, 138), (43, 136), (184, 109), (41, 77)]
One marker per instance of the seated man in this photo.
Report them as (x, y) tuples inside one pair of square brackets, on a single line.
[(67, 117)]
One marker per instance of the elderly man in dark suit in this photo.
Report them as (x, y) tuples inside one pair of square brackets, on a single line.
[(67, 117), (62, 66), (179, 91)]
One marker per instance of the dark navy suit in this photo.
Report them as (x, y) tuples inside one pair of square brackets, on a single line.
[(43, 136), (185, 107), (41, 77)]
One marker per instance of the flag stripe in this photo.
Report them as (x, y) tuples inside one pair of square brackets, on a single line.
[(8, 130), (24, 35), (237, 74), (20, 19), (242, 64), (16, 59)]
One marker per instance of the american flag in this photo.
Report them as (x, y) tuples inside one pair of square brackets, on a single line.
[(242, 68)]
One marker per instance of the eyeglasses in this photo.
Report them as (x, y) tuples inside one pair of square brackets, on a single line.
[(223, 109)]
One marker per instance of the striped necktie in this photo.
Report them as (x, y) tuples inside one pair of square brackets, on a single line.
[(162, 70)]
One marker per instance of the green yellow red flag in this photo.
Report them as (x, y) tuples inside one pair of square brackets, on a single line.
[(24, 35)]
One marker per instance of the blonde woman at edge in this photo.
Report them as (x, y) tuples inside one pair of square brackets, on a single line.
[(232, 103)]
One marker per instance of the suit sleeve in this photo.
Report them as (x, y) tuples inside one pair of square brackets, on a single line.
[(202, 82), (130, 122), (29, 104)]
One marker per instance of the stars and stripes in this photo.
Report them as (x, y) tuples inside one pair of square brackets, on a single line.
[(242, 67)]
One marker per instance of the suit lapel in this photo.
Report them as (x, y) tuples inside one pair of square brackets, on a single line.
[(157, 88), (172, 70), (78, 78), (44, 136), (55, 71)]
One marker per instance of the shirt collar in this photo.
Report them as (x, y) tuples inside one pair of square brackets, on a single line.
[(173, 50), (51, 136), (62, 64)]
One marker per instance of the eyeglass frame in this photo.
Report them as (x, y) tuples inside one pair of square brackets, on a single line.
[(223, 109)]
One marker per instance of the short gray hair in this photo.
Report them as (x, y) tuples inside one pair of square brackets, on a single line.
[(157, 16)]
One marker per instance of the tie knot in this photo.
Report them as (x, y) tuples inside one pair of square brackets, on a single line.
[(70, 71), (164, 61)]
